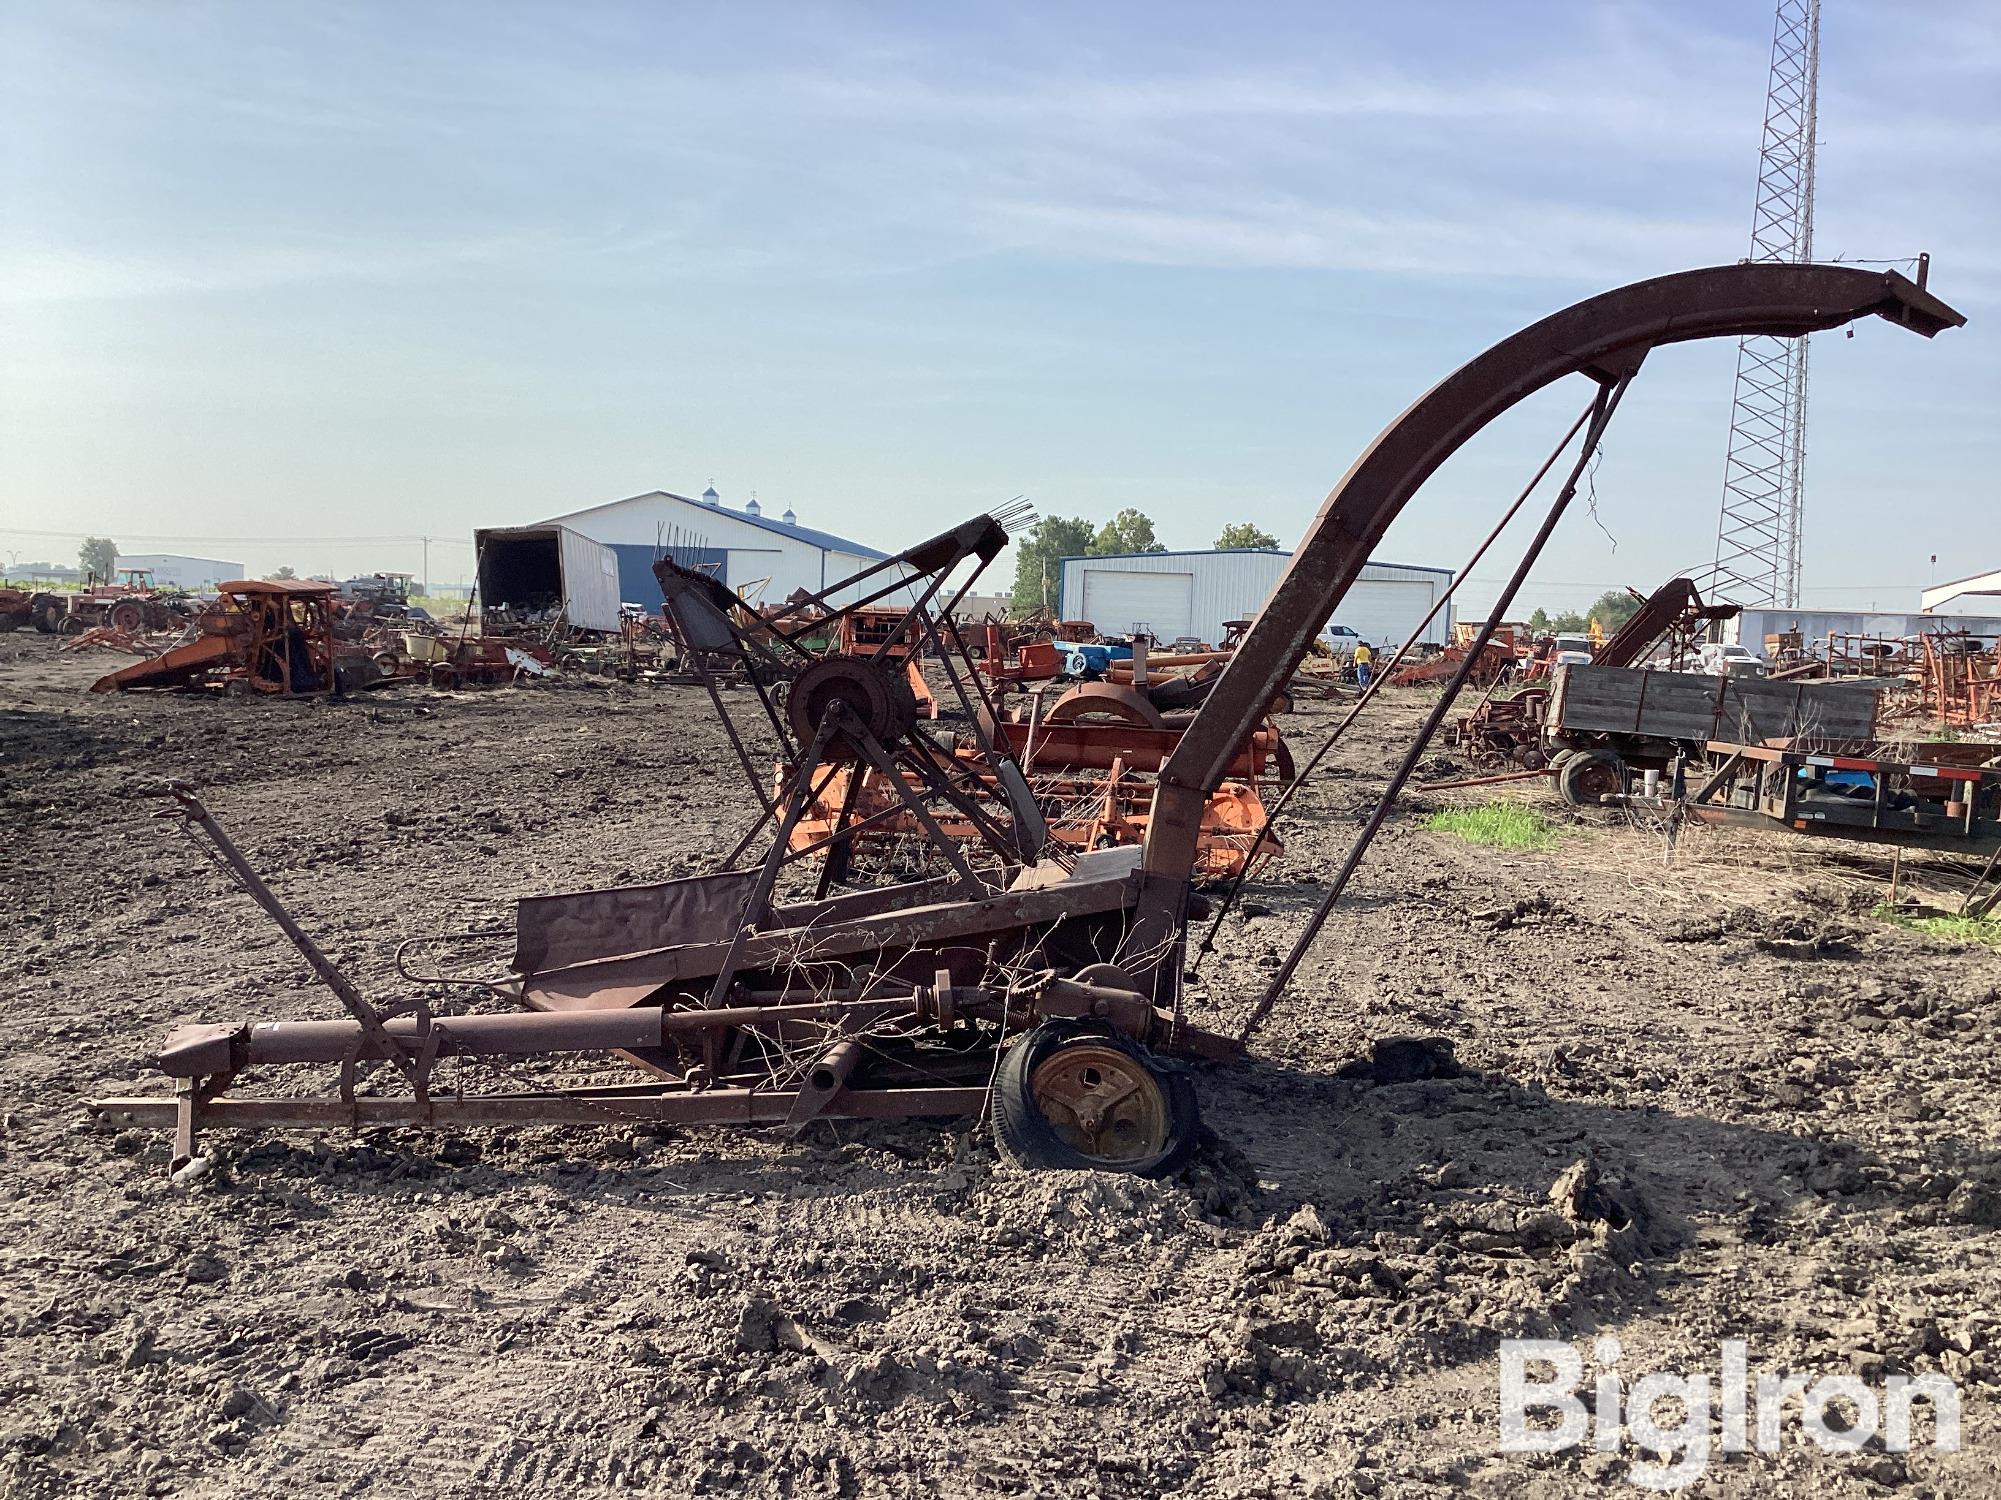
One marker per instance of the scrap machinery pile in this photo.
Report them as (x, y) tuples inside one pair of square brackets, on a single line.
[(1489, 663), (292, 638), (1025, 654), (1012, 782), (1511, 728), (132, 606), (1953, 677), (266, 636), (1095, 752), (1090, 759), (1961, 677), (1039, 984)]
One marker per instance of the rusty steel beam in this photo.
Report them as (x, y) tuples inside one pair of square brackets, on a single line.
[(373, 1040), (201, 1051), (1600, 337), (720, 1106)]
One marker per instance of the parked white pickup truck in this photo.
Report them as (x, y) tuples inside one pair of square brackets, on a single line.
[(1728, 659)]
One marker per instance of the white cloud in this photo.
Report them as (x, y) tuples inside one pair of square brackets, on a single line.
[(1625, 144)]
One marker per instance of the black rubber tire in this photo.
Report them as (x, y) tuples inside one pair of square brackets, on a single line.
[(352, 674), (1590, 774), (1026, 1138), (1281, 759), (48, 616)]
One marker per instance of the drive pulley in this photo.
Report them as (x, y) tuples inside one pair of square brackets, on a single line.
[(874, 690)]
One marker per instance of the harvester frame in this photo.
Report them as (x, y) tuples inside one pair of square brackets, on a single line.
[(749, 1010)]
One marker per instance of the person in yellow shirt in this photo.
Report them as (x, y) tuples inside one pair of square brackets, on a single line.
[(1363, 657)]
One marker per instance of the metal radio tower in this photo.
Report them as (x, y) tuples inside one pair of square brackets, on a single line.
[(1758, 538)]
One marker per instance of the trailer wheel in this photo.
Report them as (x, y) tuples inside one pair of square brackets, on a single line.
[(126, 616), (1587, 775), (1076, 1096)]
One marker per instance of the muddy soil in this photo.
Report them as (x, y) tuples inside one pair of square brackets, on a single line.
[(1673, 1104)]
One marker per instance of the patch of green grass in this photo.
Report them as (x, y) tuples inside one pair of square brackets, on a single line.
[(1505, 825), (1949, 929)]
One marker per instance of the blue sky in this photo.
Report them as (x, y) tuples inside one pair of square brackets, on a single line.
[(317, 271)]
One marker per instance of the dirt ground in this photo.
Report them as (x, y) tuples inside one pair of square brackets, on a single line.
[(1786, 1113)]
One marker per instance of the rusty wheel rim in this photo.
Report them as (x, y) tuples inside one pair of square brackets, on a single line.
[(1598, 780), (1101, 1102)]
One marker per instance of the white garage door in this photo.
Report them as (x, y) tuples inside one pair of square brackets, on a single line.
[(1384, 612), (1118, 601)]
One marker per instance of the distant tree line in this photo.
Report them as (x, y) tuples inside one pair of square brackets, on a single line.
[(1613, 608), (1243, 535)]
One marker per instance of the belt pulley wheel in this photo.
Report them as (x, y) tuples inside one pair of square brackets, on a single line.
[(876, 694)]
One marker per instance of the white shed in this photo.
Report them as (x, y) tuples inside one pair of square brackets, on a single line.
[(1174, 594), (1752, 626), (1981, 591), (749, 550)]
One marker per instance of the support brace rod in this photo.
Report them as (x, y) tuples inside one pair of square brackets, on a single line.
[(1601, 416), (375, 1040)]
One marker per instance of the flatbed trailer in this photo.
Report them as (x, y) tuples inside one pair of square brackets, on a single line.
[(1602, 723), (1944, 796)]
